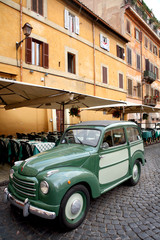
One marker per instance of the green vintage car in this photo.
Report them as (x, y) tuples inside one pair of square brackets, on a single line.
[(90, 159)]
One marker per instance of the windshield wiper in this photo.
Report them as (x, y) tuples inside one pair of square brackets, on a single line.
[(79, 141)]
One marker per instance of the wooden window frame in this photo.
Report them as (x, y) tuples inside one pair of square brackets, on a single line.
[(119, 83), (71, 22), (120, 52), (73, 63), (128, 27), (130, 91), (104, 78), (146, 42), (37, 7), (43, 54), (138, 64), (129, 56)]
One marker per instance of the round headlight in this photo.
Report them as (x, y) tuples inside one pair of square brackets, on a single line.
[(11, 173), (44, 186)]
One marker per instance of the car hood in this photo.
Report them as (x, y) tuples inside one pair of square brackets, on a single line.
[(60, 156)]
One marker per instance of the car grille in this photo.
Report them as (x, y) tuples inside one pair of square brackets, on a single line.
[(24, 187)]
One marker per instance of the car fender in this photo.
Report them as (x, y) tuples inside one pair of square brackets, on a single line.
[(63, 179), (139, 154)]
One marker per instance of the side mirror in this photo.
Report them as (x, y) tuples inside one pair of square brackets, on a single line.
[(105, 145)]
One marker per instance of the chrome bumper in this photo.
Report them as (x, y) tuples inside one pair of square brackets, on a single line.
[(26, 207)]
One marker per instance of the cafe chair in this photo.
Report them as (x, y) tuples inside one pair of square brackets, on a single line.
[(3, 152), (26, 150), (15, 151)]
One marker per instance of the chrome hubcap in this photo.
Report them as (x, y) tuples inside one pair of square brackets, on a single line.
[(135, 172), (75, 207)]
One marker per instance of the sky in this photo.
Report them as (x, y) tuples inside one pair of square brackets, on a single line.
[(154, 5)]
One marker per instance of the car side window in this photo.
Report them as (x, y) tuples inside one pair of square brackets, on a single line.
[(118, 136), (108, 138), (133, 134)]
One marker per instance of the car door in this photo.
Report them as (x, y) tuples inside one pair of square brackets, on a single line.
[(114, 158)]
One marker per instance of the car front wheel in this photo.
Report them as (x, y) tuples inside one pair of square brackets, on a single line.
[(74, 207), (136, 173)]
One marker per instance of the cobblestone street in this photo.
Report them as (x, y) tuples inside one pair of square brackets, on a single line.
[(122, 213)]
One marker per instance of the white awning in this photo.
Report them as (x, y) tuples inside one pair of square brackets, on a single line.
[(14, 94), (125, 108)]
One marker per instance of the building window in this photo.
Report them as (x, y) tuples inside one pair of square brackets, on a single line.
[(120, 80), (128, 26), (104, 42), (146, 42), (150, 45), (37, 6), (104, 75), (156, 72), (155, 50), (138, 90), (120, 52), (37, 53), (130, 87), (129, 56), (71, 62), (71, 22), (138, 62), (138, 34)]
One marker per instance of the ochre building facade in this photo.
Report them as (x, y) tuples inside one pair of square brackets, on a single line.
[(69, 48)]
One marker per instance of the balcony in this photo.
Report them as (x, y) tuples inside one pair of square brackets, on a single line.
[(149, 76), (150, 101)]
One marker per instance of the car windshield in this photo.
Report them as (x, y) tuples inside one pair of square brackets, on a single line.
[(81, 136)]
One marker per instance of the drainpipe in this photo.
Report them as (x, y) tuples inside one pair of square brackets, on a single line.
[(141, 81), (94, 59), (21, 63)]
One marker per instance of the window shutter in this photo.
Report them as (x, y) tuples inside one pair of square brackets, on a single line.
[(118, 51), (45, 56), (120, 80), (128, 26), (66, 19), (147, 64), (40, 7), (140, 36), (77, 25), (139, 89), (130, 87), (28, 54), (123, 53), (135, 32), (104, 69), (101, 40)]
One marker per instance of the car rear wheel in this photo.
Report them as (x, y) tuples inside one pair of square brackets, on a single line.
[(136, 173), (74, 207)]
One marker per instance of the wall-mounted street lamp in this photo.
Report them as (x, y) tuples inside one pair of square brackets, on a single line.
[(27, 29)]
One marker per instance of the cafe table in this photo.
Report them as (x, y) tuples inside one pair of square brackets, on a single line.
[(38, 147), (146, 135)]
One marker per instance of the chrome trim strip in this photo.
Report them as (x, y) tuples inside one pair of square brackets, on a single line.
[(21, 186), (24, 182), (28, 194), (27, 208)]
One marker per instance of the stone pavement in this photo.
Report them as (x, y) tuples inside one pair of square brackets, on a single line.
[(4, 174), (123, 213)]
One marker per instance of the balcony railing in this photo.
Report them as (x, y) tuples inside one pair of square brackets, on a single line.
[(149, 76), (150, 101)]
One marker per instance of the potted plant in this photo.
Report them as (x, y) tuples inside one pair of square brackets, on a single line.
[(116, 114), (145, 116), (74, 111)]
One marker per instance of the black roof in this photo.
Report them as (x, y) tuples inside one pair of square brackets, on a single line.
[(104, 123)]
